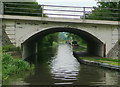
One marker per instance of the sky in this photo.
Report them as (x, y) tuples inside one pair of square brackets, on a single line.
[(80, 3)]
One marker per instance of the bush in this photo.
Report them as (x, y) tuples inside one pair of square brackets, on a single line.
[(13, 66), (7, 48)]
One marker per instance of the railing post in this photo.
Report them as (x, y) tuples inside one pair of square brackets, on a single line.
[(83, 13), (2, 8), (42, 10)]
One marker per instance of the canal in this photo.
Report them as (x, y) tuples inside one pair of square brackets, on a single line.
[(58, 66)]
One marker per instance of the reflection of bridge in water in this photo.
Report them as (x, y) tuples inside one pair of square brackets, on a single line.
[(100, 35)]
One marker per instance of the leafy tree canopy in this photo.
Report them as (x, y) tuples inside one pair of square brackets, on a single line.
[(105, 11)]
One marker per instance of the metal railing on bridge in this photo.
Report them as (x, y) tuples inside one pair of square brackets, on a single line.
[(61, 11)]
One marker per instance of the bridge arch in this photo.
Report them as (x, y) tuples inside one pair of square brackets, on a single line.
[(95, 45)]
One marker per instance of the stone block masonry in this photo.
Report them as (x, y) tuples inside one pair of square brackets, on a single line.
[(114, 52)]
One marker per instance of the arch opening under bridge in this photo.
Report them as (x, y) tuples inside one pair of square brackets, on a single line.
[(94, 45)]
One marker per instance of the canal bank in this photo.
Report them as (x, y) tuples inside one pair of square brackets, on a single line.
[(92, 62)]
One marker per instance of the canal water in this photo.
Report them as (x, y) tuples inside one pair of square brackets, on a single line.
[(58, 66)]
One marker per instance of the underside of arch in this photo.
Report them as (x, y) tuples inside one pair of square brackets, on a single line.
[(95, 46)]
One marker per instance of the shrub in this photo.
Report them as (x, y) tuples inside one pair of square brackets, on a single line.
[(7, 48), (13, 66)]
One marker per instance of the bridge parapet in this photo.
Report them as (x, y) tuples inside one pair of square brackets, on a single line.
[(54, 11), (67, 20)]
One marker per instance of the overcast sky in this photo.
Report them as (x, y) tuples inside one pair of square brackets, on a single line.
[(80, 3)]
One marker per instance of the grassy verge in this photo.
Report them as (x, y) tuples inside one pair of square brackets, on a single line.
[(12, 66), (79, 49), (82, 44), (103, 60), (55, 43)]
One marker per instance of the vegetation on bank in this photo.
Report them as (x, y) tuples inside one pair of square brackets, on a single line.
[(79, 49), (77, 38), (8, 48), (48, 40), (103, 60), (66, 36), (12, 66), (105, 11)]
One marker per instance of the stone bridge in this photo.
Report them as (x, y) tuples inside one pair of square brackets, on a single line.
[(23, 31)]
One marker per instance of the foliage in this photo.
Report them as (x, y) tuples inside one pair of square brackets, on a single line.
[(63, 36), (49, 39), (79, 49), (7, 48), (46, 43), (105, 11), (0, 68), (26, 9), (55, 43), (77, 38), (13, 66)]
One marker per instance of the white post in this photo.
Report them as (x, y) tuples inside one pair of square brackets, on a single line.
[(42, 10), (83, 14)]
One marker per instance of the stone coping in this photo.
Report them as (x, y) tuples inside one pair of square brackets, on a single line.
[(105, 65), (53, 19), (93, 63)]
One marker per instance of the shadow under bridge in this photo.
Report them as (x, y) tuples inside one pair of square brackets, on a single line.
[(95, 46)]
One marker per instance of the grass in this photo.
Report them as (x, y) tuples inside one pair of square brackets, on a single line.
[(79, 49), (0, 69), (82, 44), (103, 60), (55, 43), (12, 66)]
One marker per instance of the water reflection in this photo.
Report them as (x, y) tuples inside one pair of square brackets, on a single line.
[(59, 67), (64, 66)]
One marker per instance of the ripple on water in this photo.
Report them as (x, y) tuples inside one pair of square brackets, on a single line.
[(64, 83)]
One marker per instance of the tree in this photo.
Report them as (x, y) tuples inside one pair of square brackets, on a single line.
[(76, 38), (105, 11), (48, 39)]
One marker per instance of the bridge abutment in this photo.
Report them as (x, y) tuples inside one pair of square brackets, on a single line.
[(28, 49)]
